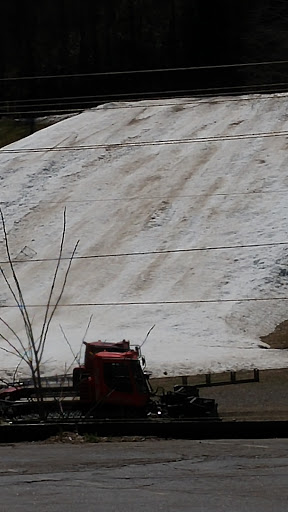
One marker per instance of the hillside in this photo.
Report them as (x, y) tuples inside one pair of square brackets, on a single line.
[(181, 211)]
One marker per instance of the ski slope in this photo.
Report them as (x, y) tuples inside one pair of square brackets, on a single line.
[(181, 210)]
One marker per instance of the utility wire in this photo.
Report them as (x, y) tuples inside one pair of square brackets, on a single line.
[(120, 145), (146, 253), (152, 303), (66, 100), (143, 71), (143, 198), (58, 107), (40, 113)]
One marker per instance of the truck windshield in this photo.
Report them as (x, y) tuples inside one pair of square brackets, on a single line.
[(117, 377)]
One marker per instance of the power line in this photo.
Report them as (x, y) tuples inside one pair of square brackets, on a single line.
[(120, 145), (59, 108), (146, 253), (180, 197), (142, 198), (58, 101), (50, 112), (151, 303), (143, 71)]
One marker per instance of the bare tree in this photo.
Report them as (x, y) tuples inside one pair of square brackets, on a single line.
[(31, 350)]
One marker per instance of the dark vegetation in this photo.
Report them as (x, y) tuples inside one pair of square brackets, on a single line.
[(68, 38), (12, 130)]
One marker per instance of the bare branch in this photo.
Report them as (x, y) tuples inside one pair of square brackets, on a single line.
[(87, 328), (33, 355), (20, 306), (21, 302), (16, 350), (145, 339), (13, 332), (44, 336), (83, 339), (10, 352), (16, 371), (68, 343)]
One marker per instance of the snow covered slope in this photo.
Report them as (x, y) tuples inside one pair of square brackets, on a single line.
[(181, 234)]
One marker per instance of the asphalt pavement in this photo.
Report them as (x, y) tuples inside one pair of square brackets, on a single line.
[(145, 476)]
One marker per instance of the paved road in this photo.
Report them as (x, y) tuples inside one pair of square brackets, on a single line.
[(145, 476)]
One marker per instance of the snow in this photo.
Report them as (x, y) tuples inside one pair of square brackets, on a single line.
[(227, 199)]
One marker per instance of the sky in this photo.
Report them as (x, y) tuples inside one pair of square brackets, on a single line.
[(180, 208)]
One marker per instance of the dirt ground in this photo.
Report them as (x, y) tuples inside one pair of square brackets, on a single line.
[(279, 337), (266, 399)]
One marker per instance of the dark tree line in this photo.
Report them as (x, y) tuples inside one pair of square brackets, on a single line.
[(61, 37)]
